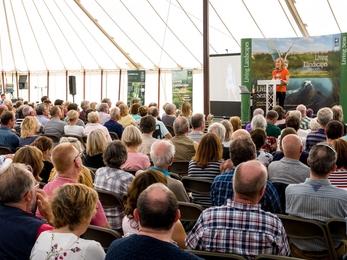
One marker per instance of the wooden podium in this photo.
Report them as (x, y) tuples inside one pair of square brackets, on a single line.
[(270, 92)]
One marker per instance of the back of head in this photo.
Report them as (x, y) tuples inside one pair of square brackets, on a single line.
[(181, 125), (131, 136), (209, 150), (85, 104), (15, 181), (93, 117), (229, 129), (314, 125), (186, 109), (103, 107), (258, 121), (147, 124), (40, 109), (197, 120), (161, 153), (123, 108), (29, 126), (334, 129), (295, 113), (322, 158), (32, 156), (292, 146), (73, 205), (218, 129), (72, 106), (340, 146), (140, 183), (114, 112), (6, 117), (72, 115), (27, 110), (58, 102), (287, 131), (134, 109), (72, 140), (240, 132), (337, 113), (55, 110), (324, 116), (293, 121), (249, 178), (96, 142), (143, 111), (236, 122), (242, 149), (258, 111), (43, 143), (3, 108), (44, 98), (309, 112), (280, 111), (153, 111), (157, 207), (63, 157), (115, 154), (271, 115), (302, 109), (258, 136), (170, 109)]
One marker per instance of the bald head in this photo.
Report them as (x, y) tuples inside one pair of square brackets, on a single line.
[(302, 109), (181, 125), (240, 132), (292, 146), (162, 154), (249, 181), (63, 157), (3, 108)]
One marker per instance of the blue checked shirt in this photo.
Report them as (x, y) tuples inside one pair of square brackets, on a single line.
[(115, 180), (222, 189), (243, 229)]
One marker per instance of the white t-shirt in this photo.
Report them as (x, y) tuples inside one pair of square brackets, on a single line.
[(50, 246)]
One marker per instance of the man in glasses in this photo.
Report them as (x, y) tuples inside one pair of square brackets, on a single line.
[(317, 199), (19, 227)]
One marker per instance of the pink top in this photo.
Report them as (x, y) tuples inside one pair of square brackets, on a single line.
[(98, 220), (136, 161)]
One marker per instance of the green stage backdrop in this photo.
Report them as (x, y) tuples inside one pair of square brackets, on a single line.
[(136, 85), (317, 67), (182, 87)]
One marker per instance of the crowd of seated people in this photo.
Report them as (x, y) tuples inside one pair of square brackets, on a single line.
[(272, 167)]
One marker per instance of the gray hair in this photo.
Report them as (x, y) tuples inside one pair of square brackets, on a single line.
[(27, 110), (258, 121), (258, 111), (322, 158), (162, 157), (180, 125), (324, 116), (169, 108), (218, 129), (114, 112), (102, 107), (84, 104), (296, 113)]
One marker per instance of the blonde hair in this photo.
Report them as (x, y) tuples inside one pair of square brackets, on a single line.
[(96, 142), (131, 136), (229, 129), (186, 109), (72, 205), (123, 110), (29, 126), (93, 117), (283, 64), (72, 115), (236, 122)]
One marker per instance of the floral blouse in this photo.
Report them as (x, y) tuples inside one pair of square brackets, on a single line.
[(65, 246)]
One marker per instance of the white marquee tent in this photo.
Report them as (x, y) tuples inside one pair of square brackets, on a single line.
[(99, 40)]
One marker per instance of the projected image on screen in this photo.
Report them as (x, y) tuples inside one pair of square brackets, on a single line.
[(225, 78)]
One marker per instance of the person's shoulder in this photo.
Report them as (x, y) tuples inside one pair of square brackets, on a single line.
[(225, 176)]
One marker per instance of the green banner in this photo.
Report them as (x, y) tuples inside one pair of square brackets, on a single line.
[(182, 87), (246, 77), (136, 85), (343, 73)]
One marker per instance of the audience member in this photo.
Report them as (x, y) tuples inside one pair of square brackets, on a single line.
[(19, 194), (55, 126), (30, 126), (219, 130), (147, 127), (103, 110), (242, 149), (140, 183), (236, 122), (153, 111), (132, 139), (72, 128), (7, 136), (112, 178), (281, 120), (125, 119), (73, 206), (243, 228), (169, 117), (112, 125), (85, 105), (156, 213), (305, 120), (317, 193), (334, 130), (96, 144), (143, 111), (134, 111), (258, 136), (205, 164), (45, 145), (338, 116), (162, 155), (42, 114), (186, 111), (94, 123), (73, 106), (339, 177), (198, 124), (184, 146), (324, 116), (228, 132), (257, 111)]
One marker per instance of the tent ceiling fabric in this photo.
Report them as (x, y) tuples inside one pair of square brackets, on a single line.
[(60, 35)]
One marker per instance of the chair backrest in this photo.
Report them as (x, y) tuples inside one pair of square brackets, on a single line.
[(215, 255), (170, 129), (267, 256), (197, 185), (132, 171), (157, 133), (102, 235), (301, 228), (175, 176), (54, 138), (110, 199), (5, 150), (336, 228), (114, 136), (189, 211), (179, 167), (92, 172)]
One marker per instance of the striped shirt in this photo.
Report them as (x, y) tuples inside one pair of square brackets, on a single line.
[(314, 138), (305, 123), (318, 200), (208, 173), (339, 179), (243, 229)]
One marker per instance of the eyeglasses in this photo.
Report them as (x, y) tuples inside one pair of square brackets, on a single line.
[(36, 186), (78, 155)]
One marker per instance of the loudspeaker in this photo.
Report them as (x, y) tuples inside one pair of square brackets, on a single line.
[(72, 85)]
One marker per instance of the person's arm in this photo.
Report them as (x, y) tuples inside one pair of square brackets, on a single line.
[(179, 234), (168, 136), (44, 206)]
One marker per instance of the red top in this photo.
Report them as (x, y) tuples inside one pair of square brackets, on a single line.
[(280, 74)]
